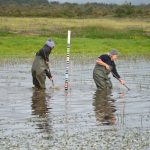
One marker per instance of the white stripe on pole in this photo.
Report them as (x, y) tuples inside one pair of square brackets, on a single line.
[(69, 35), (67, 60)]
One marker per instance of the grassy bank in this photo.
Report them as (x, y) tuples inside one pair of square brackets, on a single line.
[(26, 46), (22, 37), (89, 28)]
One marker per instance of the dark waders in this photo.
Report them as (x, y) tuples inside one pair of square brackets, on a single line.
[(38, 72), (100, 76)]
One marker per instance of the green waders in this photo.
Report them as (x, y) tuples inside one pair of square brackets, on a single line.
[(100, 76), (38, 72)]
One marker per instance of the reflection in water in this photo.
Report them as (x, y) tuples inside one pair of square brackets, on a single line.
[(40, 109), (70, 124), (104, 108)]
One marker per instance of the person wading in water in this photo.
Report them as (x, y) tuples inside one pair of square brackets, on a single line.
[(40, 68), (104, 65)]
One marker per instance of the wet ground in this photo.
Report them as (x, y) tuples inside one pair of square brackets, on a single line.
[(82, 119)]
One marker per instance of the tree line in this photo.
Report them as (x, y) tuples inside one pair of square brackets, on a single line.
[(44, 8)]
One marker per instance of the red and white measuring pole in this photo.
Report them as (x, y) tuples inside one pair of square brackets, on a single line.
[(67, 61)]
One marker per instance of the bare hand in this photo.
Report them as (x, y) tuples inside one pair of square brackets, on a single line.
[(51, 78), (107, 67), (46, 62), (122, 81)]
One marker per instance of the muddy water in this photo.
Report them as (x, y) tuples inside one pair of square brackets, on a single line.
[(83, 118)]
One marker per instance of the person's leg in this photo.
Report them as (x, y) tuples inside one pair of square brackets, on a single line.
[(35, 81), (41, 79), (109, 83), (99, 81)]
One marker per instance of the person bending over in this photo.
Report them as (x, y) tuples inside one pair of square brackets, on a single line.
[(40, 67), (104, 65)]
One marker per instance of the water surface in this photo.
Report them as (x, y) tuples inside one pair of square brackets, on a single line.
[(81, 119)]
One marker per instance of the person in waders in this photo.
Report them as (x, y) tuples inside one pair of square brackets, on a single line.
[(104, 65), (40, 67)]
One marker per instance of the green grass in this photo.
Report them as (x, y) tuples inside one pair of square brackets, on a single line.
[(22, 37), (12, 45), (85, 28)]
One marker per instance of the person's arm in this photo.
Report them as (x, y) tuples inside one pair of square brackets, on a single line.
[(116, 75), (100, 62), (114, 72), (46, 55)]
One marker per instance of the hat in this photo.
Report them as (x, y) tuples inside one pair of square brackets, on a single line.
[(113, 52), (50, 43)]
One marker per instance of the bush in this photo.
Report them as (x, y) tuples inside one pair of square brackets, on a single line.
[(124, 10)]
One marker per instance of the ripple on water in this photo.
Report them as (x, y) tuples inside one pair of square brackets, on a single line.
[(84, 119)]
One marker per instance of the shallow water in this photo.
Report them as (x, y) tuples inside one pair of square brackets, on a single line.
[(83, 118)]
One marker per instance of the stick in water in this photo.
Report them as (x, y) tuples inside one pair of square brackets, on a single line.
[(119, 80), (51, 78), (52, 82)]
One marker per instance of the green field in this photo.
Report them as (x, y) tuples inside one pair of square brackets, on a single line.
[(22, 37)]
